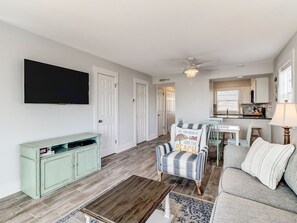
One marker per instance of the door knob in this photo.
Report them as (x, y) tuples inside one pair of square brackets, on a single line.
[(100, 121)]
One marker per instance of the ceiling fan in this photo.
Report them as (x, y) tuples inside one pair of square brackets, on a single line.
[(192, 68)]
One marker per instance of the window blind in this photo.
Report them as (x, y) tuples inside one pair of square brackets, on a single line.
[(227, 99), (285, 86)]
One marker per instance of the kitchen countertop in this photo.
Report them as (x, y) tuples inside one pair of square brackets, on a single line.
[(239, 117)]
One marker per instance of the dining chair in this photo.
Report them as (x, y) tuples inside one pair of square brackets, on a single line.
[(224, 136), (219, 120), (214, 137), (243, 142)]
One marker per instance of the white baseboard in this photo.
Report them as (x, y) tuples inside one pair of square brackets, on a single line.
[(153, 136), (9, 189), (126, 146)]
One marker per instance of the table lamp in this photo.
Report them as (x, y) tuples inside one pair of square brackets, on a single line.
[(285, 115)]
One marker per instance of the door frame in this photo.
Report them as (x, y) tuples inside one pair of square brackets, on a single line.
[(146, 83), (157, 108), (165, 101), (97, 71)]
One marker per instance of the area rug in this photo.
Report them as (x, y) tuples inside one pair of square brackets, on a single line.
[(185, 209)]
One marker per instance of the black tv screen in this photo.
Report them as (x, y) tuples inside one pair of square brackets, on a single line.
[(51, 84)]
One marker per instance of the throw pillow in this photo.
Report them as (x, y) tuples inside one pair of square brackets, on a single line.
[(187, 140), (290, 173), (267, 161)]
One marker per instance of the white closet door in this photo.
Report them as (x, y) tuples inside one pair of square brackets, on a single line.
[(106, 113)]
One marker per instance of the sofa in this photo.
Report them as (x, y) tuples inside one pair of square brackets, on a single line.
[(243, 198)]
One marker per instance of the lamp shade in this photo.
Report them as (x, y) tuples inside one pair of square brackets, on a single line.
[(285, 115), (191, 72)]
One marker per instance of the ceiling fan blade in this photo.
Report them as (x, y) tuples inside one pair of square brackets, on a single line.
[(205, 64), (174, 61), (177, 68)]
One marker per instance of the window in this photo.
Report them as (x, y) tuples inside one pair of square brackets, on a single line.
[(227, 99), (285, 84)]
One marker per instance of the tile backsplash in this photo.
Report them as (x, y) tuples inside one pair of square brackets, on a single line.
[(264, 109)]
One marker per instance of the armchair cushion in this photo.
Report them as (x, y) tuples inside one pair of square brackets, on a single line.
[(180, 163), (204, 136), (187, 140)]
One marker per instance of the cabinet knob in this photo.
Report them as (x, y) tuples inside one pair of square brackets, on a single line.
[(100, 121)]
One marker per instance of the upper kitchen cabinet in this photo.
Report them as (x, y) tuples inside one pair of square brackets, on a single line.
[(260, 86)]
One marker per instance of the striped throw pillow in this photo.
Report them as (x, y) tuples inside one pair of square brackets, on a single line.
[(267, 161)]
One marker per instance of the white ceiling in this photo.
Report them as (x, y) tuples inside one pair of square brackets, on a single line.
[(142, 34)]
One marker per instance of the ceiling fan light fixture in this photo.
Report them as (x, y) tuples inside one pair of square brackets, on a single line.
[(191, 72)]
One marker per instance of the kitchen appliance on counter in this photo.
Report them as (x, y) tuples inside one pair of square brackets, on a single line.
[(254, 111)]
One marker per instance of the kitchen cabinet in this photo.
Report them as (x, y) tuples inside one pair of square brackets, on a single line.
[(261, 89)]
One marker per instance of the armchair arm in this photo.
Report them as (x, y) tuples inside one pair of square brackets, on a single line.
[(201, 163), (234, 156), (162, 150)]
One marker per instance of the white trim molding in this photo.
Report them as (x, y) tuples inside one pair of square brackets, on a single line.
[(126, 146), (146, 83), (153, 136)]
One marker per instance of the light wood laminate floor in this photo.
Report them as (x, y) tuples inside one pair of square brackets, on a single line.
[(140, 160)]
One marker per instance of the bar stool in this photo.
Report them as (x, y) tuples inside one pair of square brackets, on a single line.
[(256, 132)]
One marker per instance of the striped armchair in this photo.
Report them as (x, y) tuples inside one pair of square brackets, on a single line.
[(181, 163)]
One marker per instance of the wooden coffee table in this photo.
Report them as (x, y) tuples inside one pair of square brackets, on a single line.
[(133, 200)]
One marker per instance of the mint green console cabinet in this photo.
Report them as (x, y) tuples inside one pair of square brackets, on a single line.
[(86, 162), (56, 172), (68, 159)]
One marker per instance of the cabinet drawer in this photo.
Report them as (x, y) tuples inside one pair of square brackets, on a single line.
[(86, 160), (56, 172)]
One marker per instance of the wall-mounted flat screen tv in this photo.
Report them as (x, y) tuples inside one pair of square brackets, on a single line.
[(49, 84)]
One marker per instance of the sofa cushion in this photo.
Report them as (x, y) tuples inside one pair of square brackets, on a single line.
[(179, 163), (229, 208), (290, 173), (239, 183), (267, 161)]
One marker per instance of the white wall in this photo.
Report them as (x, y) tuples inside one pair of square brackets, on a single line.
[(21, 122), (193, 101), (285, 55)]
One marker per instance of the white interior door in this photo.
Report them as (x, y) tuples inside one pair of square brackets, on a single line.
[(140, 113), (161, 111), (106, 113)]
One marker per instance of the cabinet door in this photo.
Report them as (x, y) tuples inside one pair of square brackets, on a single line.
[(56, 172), (86, 160), (262, 90)]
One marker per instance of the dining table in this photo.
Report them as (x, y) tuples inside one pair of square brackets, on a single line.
[(235, 129)]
